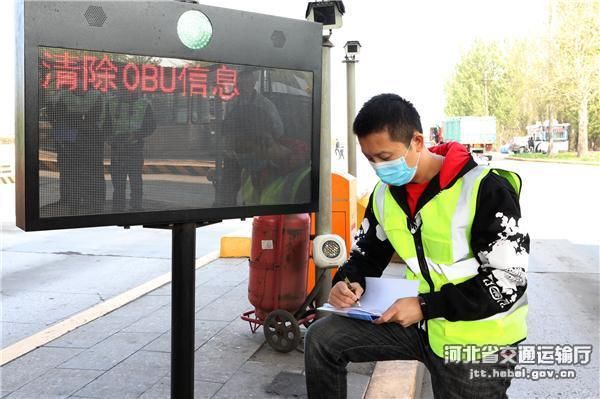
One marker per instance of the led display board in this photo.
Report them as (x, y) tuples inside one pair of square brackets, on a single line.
[(163, 112)]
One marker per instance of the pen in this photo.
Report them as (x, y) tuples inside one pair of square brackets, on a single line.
[(351, 289)]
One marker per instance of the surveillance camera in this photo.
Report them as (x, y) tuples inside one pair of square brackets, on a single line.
[(353, 47), (328, 13)]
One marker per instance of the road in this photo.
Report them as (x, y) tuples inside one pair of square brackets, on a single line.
[(560, 204), (51, 275)]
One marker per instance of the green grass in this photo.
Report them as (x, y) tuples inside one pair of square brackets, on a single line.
[(592, 157)]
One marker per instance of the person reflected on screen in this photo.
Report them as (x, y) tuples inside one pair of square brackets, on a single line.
[(274, 171), (247, 117), (78, 130), (132, 120)]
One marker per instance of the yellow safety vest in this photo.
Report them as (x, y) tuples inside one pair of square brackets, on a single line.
[(441, 233), (127, 116)]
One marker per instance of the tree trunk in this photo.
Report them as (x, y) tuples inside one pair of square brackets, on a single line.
[(549, 136), (582, 140)]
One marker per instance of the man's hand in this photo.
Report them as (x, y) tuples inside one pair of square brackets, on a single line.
[(340, 295), (405, 311)]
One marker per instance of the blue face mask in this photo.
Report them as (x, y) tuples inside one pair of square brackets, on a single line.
[(396, 172)]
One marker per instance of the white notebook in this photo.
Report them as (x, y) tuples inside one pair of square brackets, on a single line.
[(380, 295)]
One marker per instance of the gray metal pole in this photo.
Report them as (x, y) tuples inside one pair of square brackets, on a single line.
[(351, 113), (323, 219)]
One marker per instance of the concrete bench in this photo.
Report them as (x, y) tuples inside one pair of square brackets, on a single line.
[(396, 379)]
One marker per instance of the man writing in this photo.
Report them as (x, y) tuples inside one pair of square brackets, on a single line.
[(457, 227)]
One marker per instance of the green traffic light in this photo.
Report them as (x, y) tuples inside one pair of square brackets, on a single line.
[(194, 29)]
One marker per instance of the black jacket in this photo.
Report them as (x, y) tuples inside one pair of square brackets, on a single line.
[(498, 242)]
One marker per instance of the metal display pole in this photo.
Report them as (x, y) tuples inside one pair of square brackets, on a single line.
[(323, 217), (183, 268), (351, 112)]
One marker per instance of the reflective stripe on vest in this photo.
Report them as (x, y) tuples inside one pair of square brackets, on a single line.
[(445, 227)]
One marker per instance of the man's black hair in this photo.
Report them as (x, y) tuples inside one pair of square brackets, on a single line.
[(388, 112)]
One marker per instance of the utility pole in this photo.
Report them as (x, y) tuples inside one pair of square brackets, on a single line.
[(328, 13), (350, 60), (323, 217), (351, 112)]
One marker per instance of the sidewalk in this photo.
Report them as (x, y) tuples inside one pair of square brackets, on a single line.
[(126, 353)]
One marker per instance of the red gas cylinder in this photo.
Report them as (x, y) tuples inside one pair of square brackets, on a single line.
[(278, 263)]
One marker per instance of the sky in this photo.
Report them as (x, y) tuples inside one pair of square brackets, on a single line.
[(408, 47)]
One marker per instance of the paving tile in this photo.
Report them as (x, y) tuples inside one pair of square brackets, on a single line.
[(252, 379), (229, 277), (205, 330), (204, 299), (218, 281), (143, 360), (228, 262), (110, 352), (226, 308), (286, 384), (56, 383), (143, 306), (122, 385), (212, 291), (291, 361), (222, 274), (16, 395), (211, 273), (162, 389), (240, 290), (129, 379), (220, 357), (164, 290), (93, 332), (33, 364), (158, 321)]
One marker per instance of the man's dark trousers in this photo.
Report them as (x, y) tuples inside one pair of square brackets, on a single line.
[(127, 160), (332, 342)]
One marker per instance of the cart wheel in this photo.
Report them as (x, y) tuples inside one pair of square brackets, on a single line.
[(282, 331)]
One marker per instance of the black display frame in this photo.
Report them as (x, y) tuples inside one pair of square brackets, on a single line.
[(238, 38)]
